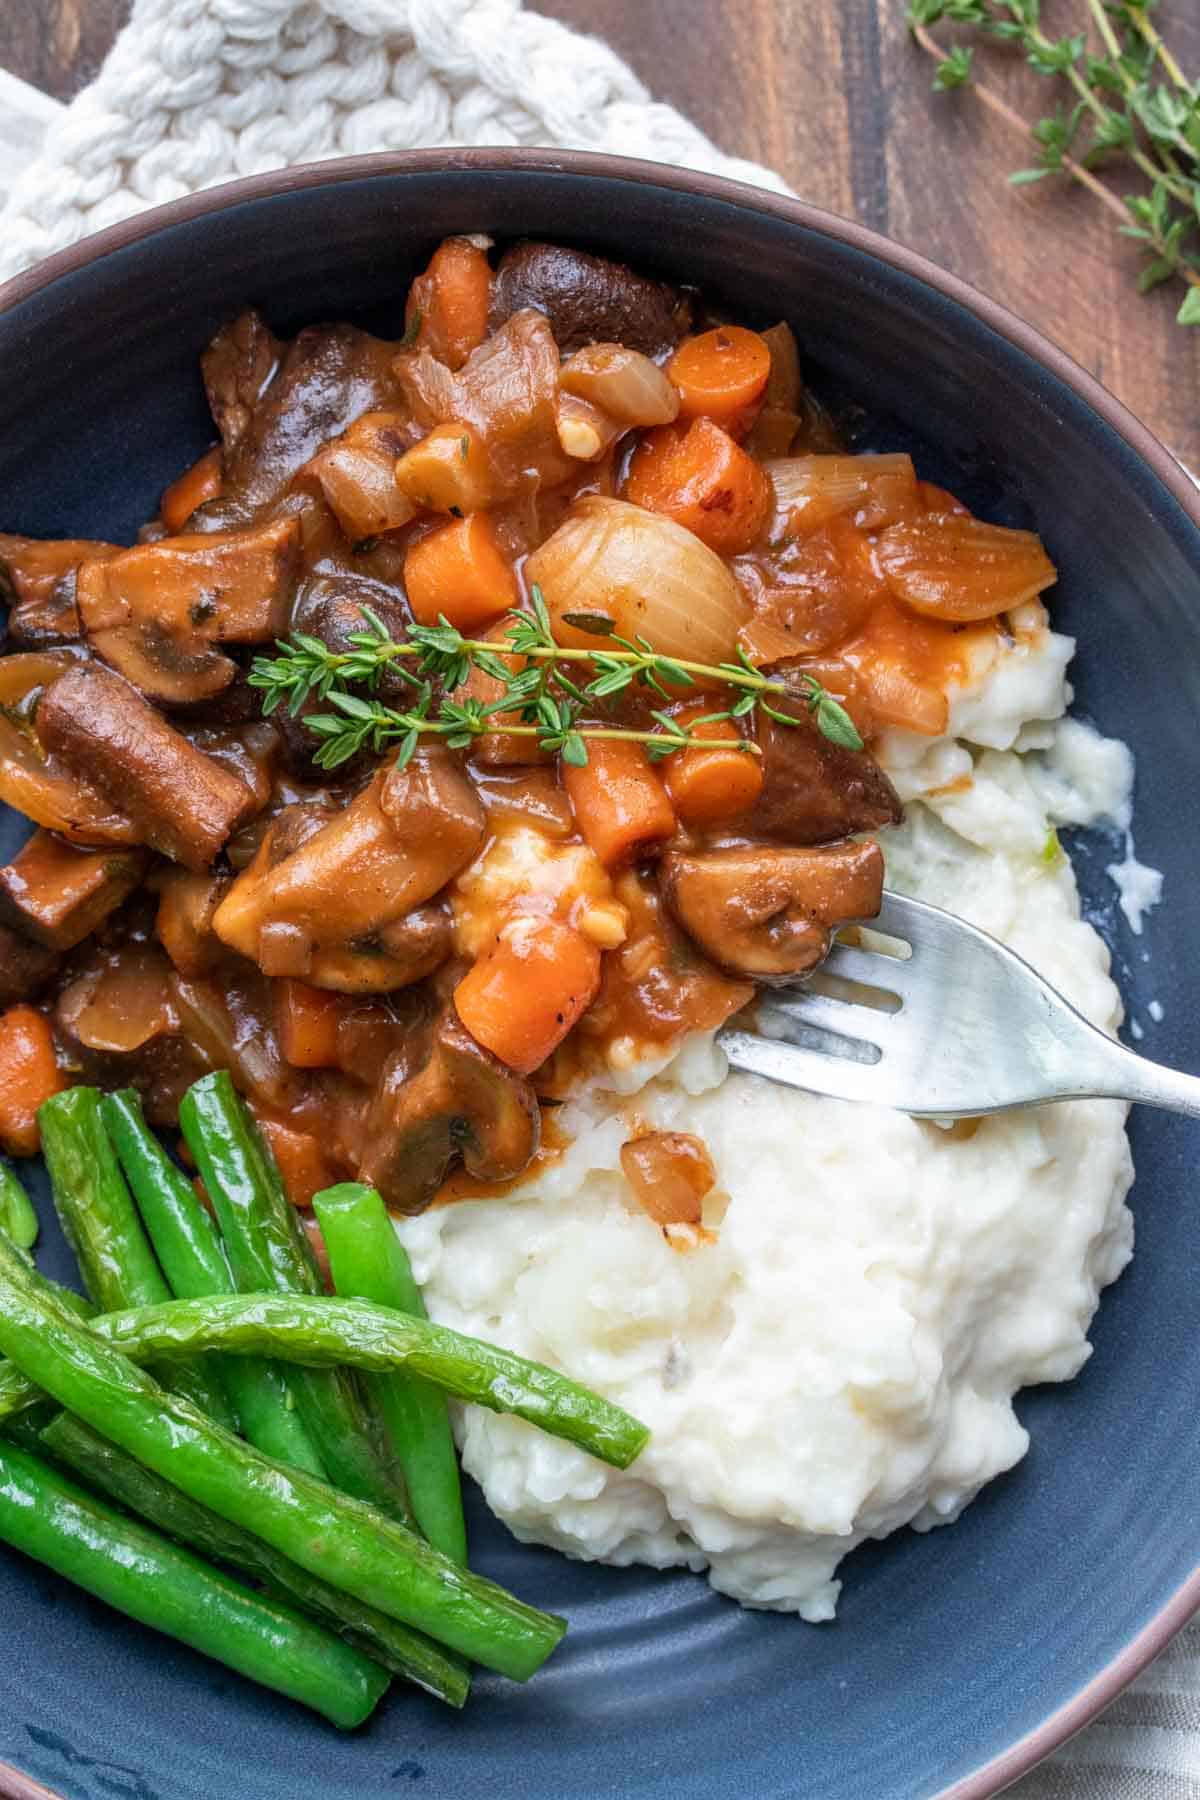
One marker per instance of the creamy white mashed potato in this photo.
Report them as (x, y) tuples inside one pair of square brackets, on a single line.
[(841, 1358)]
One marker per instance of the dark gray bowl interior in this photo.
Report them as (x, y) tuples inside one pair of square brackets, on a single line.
[(949, 1647)]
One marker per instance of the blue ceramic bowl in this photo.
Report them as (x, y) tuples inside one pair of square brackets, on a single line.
[(959, 1657)]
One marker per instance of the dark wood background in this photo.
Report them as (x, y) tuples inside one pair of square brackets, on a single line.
[(835, 95)]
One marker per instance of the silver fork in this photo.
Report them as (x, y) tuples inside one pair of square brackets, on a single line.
[(943, 1021)]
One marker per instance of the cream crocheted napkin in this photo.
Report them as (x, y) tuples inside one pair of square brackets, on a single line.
[(199, 91)]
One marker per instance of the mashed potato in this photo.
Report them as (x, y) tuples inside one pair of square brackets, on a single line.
[(840, 1359)]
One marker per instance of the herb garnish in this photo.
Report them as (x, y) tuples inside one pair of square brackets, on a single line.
[(1119, 111), (548, 702)]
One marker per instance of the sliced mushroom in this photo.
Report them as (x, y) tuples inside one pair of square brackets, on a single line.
[(345, 905), (813, 790), (157, 612), (118, 1024), (588, 299), (37, 783), (459, 1101), (768, 912), (187, 905), (37, 583), (328, 376), (24, 967), (58, 894), (180, 801), (433, 799)]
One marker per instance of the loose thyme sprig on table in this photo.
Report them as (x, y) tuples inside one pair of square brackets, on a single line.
[(1119, 112), (435, 660)]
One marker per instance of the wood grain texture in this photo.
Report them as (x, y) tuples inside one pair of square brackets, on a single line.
[(836, 96)]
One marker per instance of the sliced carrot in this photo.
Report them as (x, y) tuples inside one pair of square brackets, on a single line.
[(720, 373), (704, 481), (619, 801), (307, 1020), (448, 304), (196, 485), (522, 999), (707, 786), (303, 1164), (29, 1074), (460, 571)]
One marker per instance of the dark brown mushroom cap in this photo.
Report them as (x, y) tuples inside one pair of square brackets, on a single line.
[(460, 1100), (330, 607), (766, 911), (588, 299), (319, 383)]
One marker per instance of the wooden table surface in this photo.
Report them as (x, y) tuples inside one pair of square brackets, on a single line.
[(836, 97)]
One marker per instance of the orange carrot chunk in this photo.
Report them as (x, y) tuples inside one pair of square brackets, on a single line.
[(448, 304), (704, 481), (29, 1074), (196, 485), (707, 786), (619, 801), (522, 998), (720, 373), (460, 570), (307, 1019)]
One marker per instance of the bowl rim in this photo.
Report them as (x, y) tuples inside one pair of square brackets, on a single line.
[(1001, 1770)]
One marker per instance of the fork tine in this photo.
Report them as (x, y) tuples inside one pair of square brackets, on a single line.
[(813, 1071), (870, 968), (845, 1018)]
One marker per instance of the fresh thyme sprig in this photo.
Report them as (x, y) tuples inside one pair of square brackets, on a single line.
[(549, 703), (1118, 111)]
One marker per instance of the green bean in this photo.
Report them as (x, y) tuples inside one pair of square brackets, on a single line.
[(17, 1216), (369, 1263), (268, 1251), (343, 1540), (117, 1475), (323, 1332), (155, 1582), (102, 1227), (194, 1262)]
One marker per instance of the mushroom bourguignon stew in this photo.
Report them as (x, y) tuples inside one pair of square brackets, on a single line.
[(484, 711)]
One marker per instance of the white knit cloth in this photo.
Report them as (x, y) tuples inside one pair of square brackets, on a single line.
[(199, 91)]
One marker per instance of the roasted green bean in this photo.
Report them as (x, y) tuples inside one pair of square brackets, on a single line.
[(17, 1216), (194, 1262), (369, 1263), (268, 1252), (157, 1583), (332, 1535), (101, 1225), (140, 1490), (323, 1332)]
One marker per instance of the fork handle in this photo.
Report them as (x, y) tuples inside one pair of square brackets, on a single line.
[(1125, 1075)]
